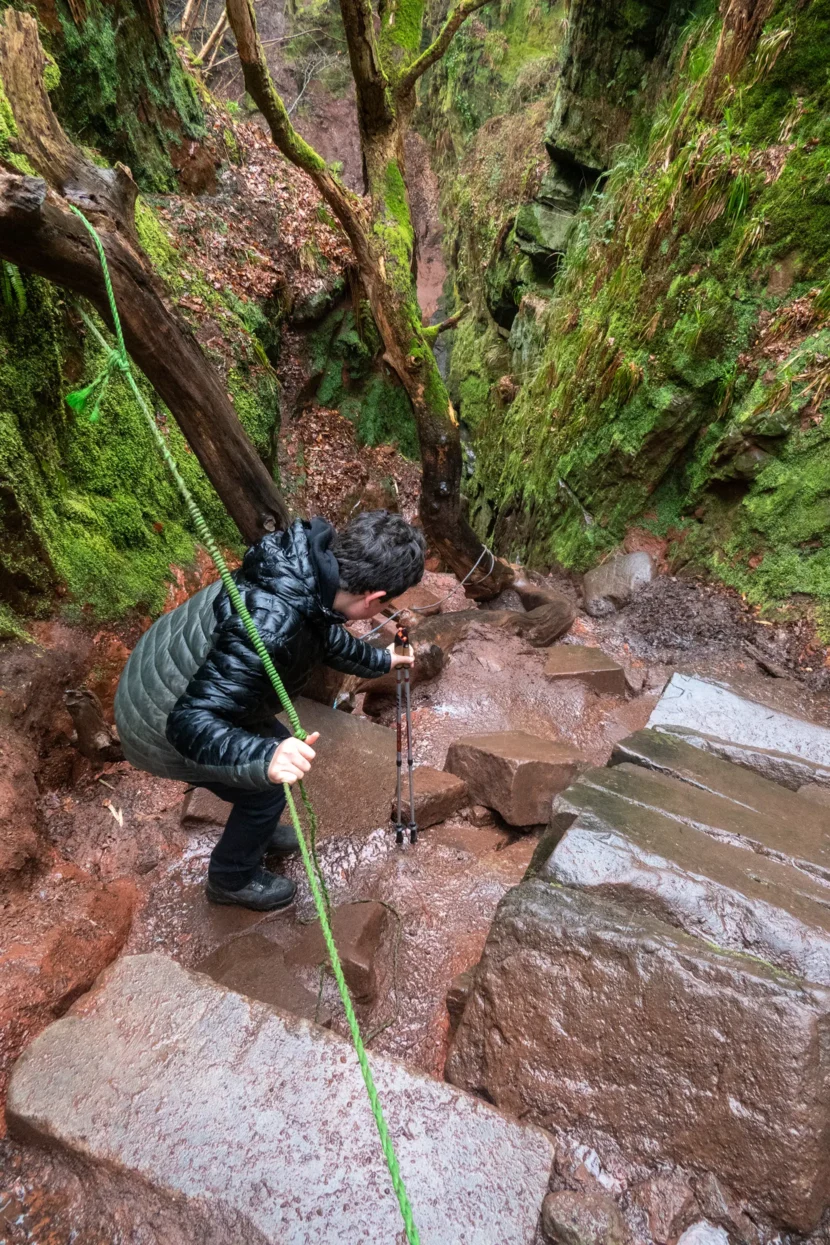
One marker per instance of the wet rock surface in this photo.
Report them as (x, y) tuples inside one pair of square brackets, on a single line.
[(252, 965), (622, 845), (588, 665), (359, 930), (780, 747), (582, 1219), (514, 772), (608, 587), (167, 1050), (438, 795), (576, 995)]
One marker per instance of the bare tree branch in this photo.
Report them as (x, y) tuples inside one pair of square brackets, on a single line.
[(439, 46)]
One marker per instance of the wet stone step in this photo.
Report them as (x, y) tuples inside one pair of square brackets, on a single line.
[(138, 1078), (585, 1010), (586, 665), (718, 797), (713, 716), (622, 844), (438, 795), (252, 964), (670, 754), (514, 772)]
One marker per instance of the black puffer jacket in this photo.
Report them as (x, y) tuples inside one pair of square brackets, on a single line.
[(194, 701)]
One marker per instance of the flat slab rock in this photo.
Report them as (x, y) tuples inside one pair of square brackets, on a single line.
[(206, 1094), (713, 716), (514, 772), (587, 665), (353, 779), (623, 844), (438, 794), (584, 1010)]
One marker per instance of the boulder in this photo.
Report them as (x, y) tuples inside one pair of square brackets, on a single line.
[(513, 772), (479, 815), (608, 587), (437, 796), (623, 845), (586, 665), (252, 964), (211, 1097), (582, 1219), (715, 717), (359, 930), (668, 1203), (584, 1011)]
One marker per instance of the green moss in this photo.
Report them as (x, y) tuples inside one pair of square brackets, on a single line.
[(8, 132), (123, 90)]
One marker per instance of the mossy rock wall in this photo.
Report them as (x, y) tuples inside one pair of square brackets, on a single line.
[(118, 84), (674, 373)]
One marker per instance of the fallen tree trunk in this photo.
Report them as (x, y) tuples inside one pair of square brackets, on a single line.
[(38, 231)]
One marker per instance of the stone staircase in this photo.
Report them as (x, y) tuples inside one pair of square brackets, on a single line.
[(662, 974), (167, 1078)]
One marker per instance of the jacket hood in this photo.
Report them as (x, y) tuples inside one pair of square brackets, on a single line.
[(296, 566)]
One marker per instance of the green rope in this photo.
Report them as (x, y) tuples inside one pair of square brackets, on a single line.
[(118, 361)]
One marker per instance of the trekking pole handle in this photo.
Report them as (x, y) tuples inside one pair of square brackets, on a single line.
[(402, 640)]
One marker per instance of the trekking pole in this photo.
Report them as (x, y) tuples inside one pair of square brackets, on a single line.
[(402, 646), (401, 642)]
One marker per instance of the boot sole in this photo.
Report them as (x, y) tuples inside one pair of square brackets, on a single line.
[(229, 901)]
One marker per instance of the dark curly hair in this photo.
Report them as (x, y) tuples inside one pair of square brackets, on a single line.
[(379, 550)]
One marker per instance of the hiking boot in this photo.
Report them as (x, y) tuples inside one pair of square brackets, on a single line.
[(265, 892), (283, 841)]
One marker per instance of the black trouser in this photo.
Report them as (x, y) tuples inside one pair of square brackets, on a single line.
[(253, 819)]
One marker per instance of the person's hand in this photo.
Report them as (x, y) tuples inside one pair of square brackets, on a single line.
[(401, 659), (292, 759)]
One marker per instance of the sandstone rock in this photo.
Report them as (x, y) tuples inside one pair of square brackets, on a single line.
[(586, 665), (709, 715), (353, 780), (253, 965), (55, 943), (437, 796), (359, 930), (201, 807), (724, 800), (516, 773), (704, 1233), (669, 1205), (582, 1219), (815, 793), (545, 623), (611, 585), (478, 815), (587, 1011), (457, 995), (720, 1206), (140, 1076), (621, 846)]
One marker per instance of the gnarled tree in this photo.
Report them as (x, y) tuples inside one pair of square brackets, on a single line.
[(386, 62)]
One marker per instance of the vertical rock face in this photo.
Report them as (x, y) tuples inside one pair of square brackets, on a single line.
[(162, 1076), (586, 1014)]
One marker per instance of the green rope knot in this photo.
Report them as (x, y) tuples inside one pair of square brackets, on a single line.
[(80, 399), (118, 360)]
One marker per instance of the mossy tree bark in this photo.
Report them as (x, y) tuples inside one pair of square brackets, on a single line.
[(386, 64), (39, 232)]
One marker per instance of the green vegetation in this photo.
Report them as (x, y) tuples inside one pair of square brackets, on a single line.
[(674, 372)]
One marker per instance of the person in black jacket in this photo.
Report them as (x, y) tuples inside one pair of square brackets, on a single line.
[(194, 701)]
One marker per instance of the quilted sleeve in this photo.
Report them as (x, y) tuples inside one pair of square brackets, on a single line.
[(204, 723), (345, 652)]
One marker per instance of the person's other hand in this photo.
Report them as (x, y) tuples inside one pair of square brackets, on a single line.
[(401, 659), (292, 759)]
